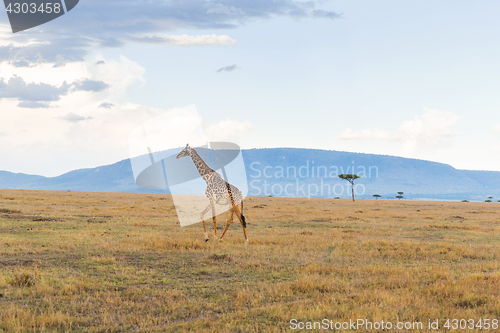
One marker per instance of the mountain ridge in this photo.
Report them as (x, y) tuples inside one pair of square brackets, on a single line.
[(265, 167)]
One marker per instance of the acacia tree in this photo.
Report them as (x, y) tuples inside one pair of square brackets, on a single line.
[(376, 196), (400, 195), (350, 178)]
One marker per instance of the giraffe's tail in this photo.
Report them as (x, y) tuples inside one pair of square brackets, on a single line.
[(242, 216)]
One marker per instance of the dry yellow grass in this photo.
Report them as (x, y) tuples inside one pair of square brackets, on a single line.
[(113, 262)]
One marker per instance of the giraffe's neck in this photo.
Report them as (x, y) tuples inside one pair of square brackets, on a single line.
[(202, 167)]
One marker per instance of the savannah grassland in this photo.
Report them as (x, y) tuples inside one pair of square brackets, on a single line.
[(115, 262)]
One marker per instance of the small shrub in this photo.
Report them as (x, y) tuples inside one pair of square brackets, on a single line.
[(259, 206), (220, 257), (23, 280), (9, 211), (204, 272), (471, 302)]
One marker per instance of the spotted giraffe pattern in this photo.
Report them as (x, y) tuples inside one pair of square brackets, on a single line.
[(218, 192)]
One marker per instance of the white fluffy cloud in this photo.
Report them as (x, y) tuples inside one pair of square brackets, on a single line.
[(186, 40), (39, 95), (71, 136), (228, 130), (74, 131), (84, 126), (427, 132), (118, 74)]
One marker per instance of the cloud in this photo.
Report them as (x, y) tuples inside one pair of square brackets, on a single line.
[(62, 138), (106, 105), (119, 74), (111, 42), (73, 118), (227, 68), (228, 130), (100, 62), (44, 48), (325, 14), (33, 105), (423, 133), (17, 88), (57, 141), (37, 95), (156, 15), (114, 23), (496, 128), (185, 40), (89, 85)]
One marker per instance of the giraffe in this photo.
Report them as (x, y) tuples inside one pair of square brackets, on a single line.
[(218, 191)]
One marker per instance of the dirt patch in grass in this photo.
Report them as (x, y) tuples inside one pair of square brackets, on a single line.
[(45, 219), (219, 257), (9, 211)]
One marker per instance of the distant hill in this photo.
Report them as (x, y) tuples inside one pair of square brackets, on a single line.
[(381, 174), (302, 173), (116, 177)]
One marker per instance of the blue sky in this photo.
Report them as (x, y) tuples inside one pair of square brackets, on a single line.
[(409, 78)]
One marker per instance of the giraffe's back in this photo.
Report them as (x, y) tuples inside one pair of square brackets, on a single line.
[(220, 191)]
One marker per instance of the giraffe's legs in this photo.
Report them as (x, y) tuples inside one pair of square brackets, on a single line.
[(229, 221), (203, 221), (240, 217), (214, 218)]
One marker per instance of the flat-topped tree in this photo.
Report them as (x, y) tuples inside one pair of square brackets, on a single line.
[(400, 195), (376, 196), (350, 178)]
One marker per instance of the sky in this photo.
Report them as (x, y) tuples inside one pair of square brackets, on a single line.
[(417, 79)]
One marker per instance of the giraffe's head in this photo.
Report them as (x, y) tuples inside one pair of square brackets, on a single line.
[(185, 152)]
